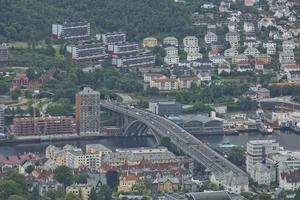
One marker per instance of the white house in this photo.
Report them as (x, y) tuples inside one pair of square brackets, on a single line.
[(251, 51), (231, 52), (171, 57), (249, 27), (170, 41)]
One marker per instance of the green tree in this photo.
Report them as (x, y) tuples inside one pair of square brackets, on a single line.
[(139, 188), (264, 196), (236, 155), (4, 87), (60, 107), (71, 196), (35, 194), (81, 178), (16, 197), (105, 193), (64, 175), (29, 169), (93, 194)]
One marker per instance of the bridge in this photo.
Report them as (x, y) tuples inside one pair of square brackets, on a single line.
[(140, 122)]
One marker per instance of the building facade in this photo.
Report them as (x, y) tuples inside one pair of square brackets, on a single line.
[(3, 52), (113, 38), (88, 111), (88, 52), (71, 30)]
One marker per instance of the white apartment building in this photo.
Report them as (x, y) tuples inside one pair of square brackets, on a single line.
[(262, 174), (171, 57), (257, 151), (239, 58), (170, 41), (230, 53), (288, 45), (232, 37), (269, 44), (251, 51), (148, 77), (249, 27), (271, 50), (165, 84), (210, 37), (287, 57), (191, 49), (186, 82), (190, 41), (193, 56)]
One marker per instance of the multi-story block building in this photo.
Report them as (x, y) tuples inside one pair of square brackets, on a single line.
[(230, 53), (293, 76), (287, 57), (165, 84), (113, 38), (249, 27), (88, 111), (171, 57), (239, 58), (194, 56), (251, 51), (49, 125), (150, 42), (3, 52), (258, 150), (233, 38), (165, 107), (148, 77), (210, 37), (170, 41), (190, 41), (123, 49), (71, 31), (80, 189), (2, 118), (88, 52), (186, 82), (271, 50), (137, 61), (288, 45)]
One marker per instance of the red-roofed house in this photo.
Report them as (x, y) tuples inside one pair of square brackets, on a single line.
[(150, 76), (290, 67)]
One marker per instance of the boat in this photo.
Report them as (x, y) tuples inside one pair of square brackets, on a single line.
[(266, 129), (227, 144)]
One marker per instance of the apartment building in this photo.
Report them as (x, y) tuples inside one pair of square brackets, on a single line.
[(231, 52), (249, 27), (80, 189), (47, 125), (173, 41), (287, 57), (186, 82), (165, 84), (113, 38), (194, 56), (210, 37), (123, 49), (171, 57), (293, 76), (88, 111), (71, 31), (88, 52), (232, 37), (251, 51), (150, 42), (288, 45), (190, 41), (258, 150), (148, 77), (2, 118), (3, 52), (137, 61)]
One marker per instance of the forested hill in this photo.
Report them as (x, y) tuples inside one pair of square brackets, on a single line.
[(31, 19)]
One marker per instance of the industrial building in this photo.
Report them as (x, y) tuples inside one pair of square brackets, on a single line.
[(88, 111), (50, 125), (165, 108), (199, 124), (71, 31)]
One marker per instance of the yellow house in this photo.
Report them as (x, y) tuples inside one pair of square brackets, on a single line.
[(150, 42), (80, 188), (127, 180)]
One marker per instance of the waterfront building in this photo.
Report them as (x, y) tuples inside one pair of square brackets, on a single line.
[(88, 111), (3, 52), (258, 150), (88, 52), (2, 118), (80, 189), (71, 30), (199, 124), (113, 38), (47, 125), (165, 107), (150, 42)]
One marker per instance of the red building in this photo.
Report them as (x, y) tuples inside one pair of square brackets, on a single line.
[(50, 125)]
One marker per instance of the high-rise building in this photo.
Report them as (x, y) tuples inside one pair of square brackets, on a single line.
[(258, 150), (88, 52), (3, 52), (88, 111), (2, 108)]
